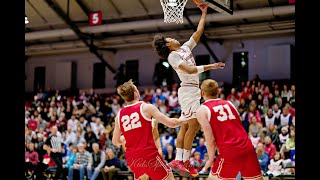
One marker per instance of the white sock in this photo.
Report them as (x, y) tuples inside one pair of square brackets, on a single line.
[(179, 154), (186, 155)]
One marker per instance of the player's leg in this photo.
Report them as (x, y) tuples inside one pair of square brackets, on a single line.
[(177, 164), (226, 166), (170, 177), (142, 177), (251, 168), (180, 139), (158, 168), (193, 128)]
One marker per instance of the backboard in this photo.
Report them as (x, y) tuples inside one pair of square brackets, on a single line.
[(221, 6)]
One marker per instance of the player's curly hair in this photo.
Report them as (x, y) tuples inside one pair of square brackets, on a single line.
[(159, 45)]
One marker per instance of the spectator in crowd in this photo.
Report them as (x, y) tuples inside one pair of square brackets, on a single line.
[(285, 93), (255, 93), (280, 103), (283, 136), (31, 158), (80, 163), (271, 100), (202, 148), (243, 104), (39, 146), (41, 123), (196, 161), (269, 148), (72, 123), (97, 126), (274, 135), (265, 107), (28, 134), (166, 139), (270, 118), (79, 138), (275, 166), (276, 111), (292, 99), (96, 163), (244, 118), (255, 126), (276, 95), (90, 138), (83, 122), (173, 101), (158, 96), (148, 95), (262, 157), (47, 164), (170, 155), (253, 112), (285, 119), (70, 160), (234, 101), (233, 93), (111, 166), (53, 122), (255, 139), (290, 144)]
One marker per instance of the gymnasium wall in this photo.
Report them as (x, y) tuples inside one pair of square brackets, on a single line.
[(268, 57)]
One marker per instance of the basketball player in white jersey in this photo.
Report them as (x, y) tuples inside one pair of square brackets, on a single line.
[(181, 59)]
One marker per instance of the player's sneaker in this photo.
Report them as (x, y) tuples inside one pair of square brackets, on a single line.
[(179, 168), (192, 170)]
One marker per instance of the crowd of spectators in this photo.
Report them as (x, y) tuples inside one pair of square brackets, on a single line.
[(85, 124)]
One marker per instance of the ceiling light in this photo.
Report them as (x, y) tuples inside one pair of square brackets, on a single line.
[(166, 64), (26, 21)]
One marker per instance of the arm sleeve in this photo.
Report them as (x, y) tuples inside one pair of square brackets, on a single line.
[(191, 43), (174, 60)]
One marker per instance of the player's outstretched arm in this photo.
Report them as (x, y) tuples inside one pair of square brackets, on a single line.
[(116, 138), (203, 120), (199, 69), (152, 111), (196, 35)]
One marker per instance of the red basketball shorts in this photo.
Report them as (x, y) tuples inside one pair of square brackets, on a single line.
[(230, 163), (150, 163)]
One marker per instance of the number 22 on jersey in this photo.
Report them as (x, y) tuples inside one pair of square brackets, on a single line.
[(223, 115), (130, 122)]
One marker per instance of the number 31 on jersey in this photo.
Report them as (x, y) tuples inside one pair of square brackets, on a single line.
[(130, 122), (223, 115)]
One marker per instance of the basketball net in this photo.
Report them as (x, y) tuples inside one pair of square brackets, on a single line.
[(173, 10)]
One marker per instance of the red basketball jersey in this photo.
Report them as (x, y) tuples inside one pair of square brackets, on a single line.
[(136, 128), (226, 125)]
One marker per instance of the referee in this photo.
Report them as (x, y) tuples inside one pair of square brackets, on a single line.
[(53, 144)]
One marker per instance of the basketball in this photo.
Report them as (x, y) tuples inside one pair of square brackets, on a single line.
[(197, 2)]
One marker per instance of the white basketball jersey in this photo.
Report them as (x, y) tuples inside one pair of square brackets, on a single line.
[(184, 54)]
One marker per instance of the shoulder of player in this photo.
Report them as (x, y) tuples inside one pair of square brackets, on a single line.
[(173, 54), (201, 109), (147, 107)]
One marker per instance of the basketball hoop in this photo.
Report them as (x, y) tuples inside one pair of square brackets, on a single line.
[(173, 10)]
